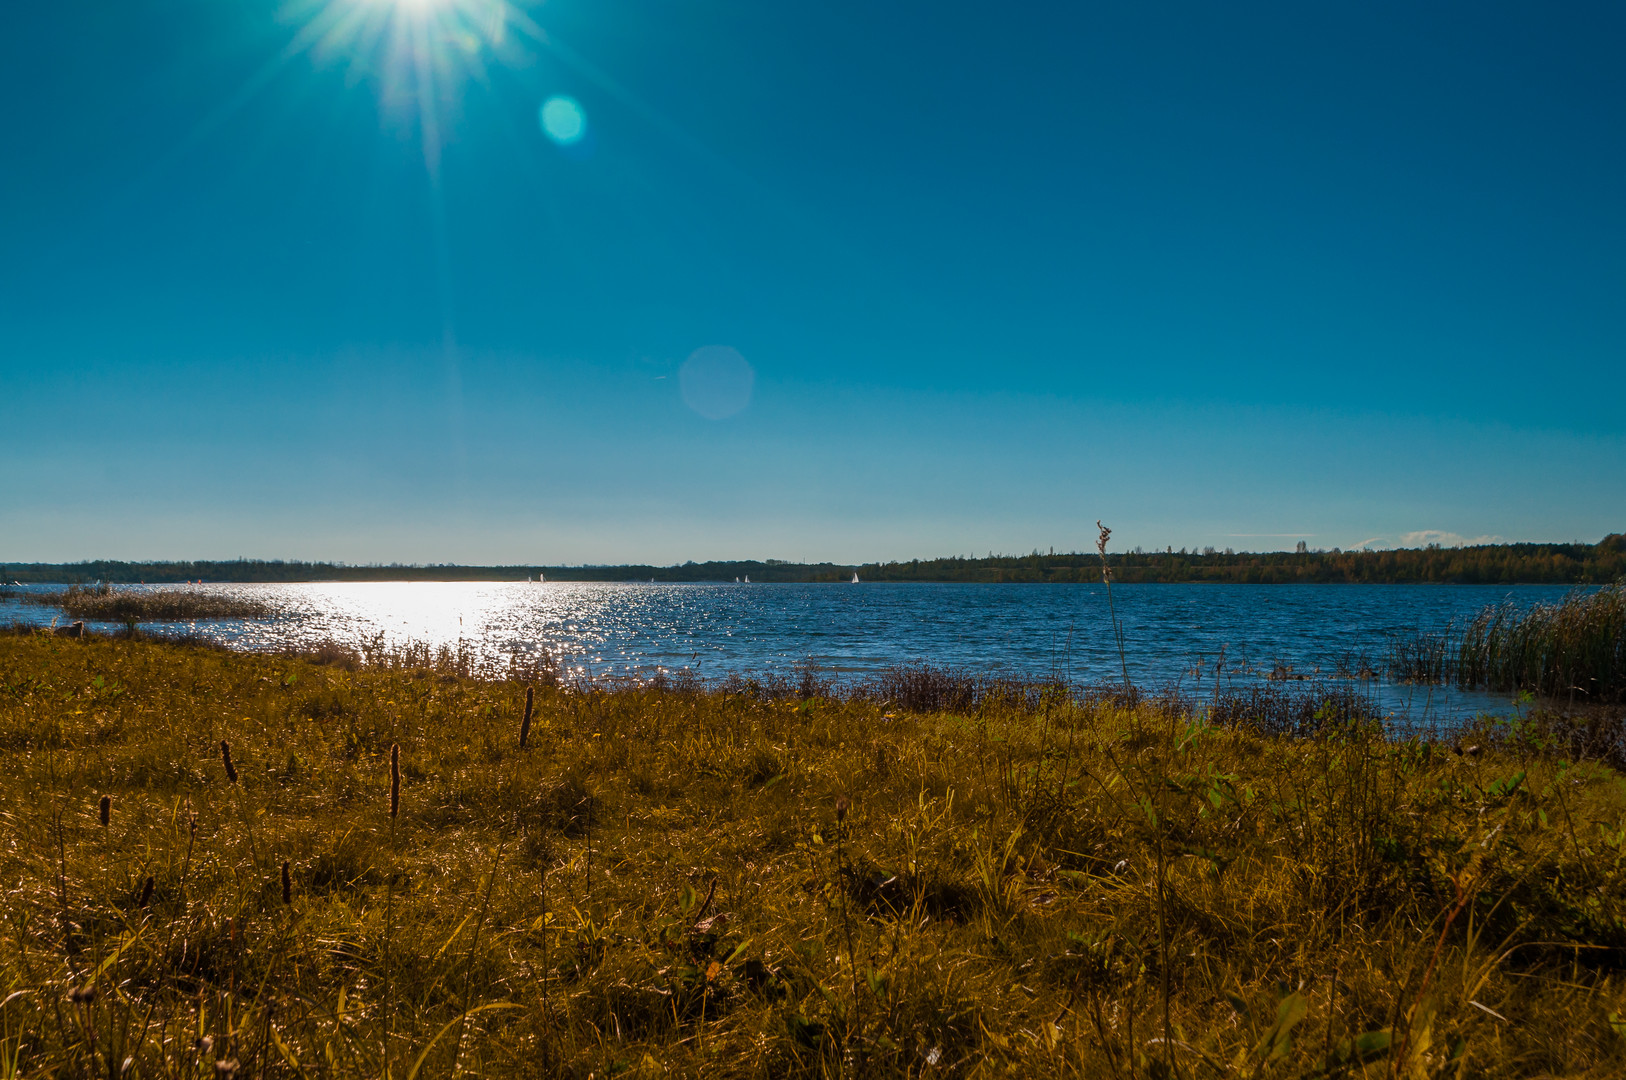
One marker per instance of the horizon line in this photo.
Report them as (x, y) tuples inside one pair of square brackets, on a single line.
[(1138, 550)]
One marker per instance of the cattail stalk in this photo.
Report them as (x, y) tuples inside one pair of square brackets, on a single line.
[(248, 817), (395, 780), (287, 885), (104, 811), (525, 724)]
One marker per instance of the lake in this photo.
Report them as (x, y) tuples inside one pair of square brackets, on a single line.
[(1173, 634)]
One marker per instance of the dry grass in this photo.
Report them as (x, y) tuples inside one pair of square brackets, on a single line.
[(662, 883)]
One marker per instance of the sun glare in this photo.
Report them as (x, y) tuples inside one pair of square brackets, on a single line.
[(420, 54), (451, 37)]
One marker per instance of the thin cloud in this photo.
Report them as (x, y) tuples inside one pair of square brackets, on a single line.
[(1424, 537), (1271, 534)]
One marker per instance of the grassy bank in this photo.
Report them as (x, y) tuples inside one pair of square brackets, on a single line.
[(669, 881)]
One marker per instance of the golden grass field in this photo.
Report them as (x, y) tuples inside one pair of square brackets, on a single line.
[(670, 881)]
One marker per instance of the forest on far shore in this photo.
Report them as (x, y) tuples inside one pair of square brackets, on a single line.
[(1485, 564)]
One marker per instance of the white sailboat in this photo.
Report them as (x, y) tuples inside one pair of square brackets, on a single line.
[(748, 579), (855, 577)]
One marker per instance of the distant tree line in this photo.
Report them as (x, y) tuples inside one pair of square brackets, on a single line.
[(1485, 564)]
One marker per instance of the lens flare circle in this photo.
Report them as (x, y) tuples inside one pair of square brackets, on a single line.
[(716, 381), (563, 120)]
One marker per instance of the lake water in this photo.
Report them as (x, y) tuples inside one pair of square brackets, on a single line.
[(1173, 634)]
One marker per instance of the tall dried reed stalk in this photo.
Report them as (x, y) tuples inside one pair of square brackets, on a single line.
[(1155, 808), (468, 965), (525, 724), (1106, 578), (587, 854), (843, 875), (395, 784), (389, 903), (546, 855)]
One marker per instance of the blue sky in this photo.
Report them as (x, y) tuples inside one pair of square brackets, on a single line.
[(313, 280)]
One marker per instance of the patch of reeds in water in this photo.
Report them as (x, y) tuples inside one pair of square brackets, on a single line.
[(1422, 656), (916, 688), (1575, 648), (103, 603)]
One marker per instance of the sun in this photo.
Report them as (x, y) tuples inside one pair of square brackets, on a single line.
[(419, 55), (380, 34)]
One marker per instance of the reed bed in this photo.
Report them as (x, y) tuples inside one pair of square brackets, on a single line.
[(103, 603), (255, 865), (1425, 657), (1309, 711), (914, 687), (1572, 649)]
